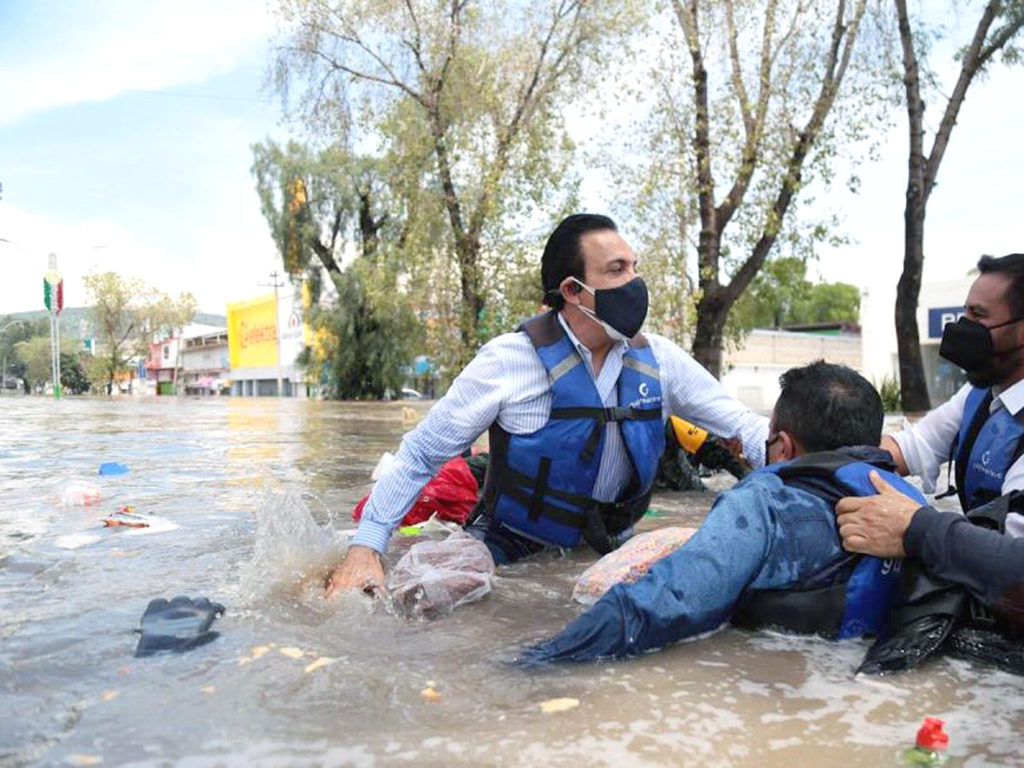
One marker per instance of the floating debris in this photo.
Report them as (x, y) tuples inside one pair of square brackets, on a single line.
[(323, 661), (558, 705), (291, 652)]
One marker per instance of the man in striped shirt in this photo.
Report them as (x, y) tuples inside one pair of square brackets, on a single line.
[(516, 387)]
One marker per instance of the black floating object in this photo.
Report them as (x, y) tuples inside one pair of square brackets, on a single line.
[(918, 640), (983, 645), (176, 625)]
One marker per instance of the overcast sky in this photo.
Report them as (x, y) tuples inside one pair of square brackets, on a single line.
[(124, 144)]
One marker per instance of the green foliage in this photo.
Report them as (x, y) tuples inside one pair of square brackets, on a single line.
[(14, 332), (34, 355), (364, 345), (781, 295), (73, 377), (126, 313), (464, 104), (889, 389)]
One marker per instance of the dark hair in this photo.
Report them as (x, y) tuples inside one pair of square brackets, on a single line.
[(562, 256), (1012, 266), (826, 406)]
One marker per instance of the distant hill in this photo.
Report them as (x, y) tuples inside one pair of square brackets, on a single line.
[(75, 320)]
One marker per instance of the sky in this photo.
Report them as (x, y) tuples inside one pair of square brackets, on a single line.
[(125, 133)]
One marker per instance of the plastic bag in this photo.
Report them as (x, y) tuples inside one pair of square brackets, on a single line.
[(629, 562), (81, 493), (435, 577), (451, 495)]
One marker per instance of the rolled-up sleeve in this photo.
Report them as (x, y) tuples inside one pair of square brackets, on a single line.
[(695, 395), (686, 593), (470, 406), (925, 445)]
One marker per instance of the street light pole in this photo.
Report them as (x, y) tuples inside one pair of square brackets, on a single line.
[(277, 327)]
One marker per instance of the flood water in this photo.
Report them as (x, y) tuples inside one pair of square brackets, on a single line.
[(259, 491)]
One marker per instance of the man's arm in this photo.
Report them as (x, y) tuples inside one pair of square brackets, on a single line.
[(988, 563), (693, 393), (470, 406), (923, 447), (686, 593)]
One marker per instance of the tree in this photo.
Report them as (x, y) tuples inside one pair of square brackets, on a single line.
[(475, 87), (781, 295), (35, 354), (126, 314), (14, 332), (317, 204), (755, 118), (365, 347), (73, 377), (998, 26)]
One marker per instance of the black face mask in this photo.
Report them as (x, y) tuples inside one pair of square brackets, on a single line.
[(621, 310), (968, 344)]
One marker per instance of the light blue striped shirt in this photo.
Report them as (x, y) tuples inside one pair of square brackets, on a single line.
[(506, 382)]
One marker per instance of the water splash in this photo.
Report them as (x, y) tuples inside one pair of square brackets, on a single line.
[(291, 552)]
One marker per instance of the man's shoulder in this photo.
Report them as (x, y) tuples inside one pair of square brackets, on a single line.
[(767, 487), (512, 341), (665, 349)]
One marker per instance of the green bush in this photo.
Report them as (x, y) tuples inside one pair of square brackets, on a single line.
[(889, 389)]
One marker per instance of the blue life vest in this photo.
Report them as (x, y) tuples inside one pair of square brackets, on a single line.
[(984, 449), (540, 485), (852, 597)]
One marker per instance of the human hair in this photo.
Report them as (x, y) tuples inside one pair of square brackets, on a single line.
[(826, 406), (1011, 265), (562, 255)]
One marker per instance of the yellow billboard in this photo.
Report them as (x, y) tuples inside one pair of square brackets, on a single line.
[(252, 333)]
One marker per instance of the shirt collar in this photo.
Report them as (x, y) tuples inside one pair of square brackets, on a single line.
[(1012, 398), (582, 348)]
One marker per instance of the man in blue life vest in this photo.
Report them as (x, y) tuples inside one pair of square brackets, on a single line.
[(981, 430), (768, 553), (575, 403)]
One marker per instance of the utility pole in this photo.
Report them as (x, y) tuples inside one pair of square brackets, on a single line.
[(277, 325), (53, 298)]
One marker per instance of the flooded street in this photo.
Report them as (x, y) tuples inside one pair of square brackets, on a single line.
[(261, 491)]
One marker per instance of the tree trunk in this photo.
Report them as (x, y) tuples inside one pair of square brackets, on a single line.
[(708, 336), (913, 388)]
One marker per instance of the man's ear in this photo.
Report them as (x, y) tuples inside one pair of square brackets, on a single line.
[(569, 288), (788, 446)]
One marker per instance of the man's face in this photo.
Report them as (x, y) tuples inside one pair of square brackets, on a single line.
[(988, 303), (607, 262)]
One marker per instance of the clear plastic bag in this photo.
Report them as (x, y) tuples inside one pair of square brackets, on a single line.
[(81, 493), (435, 577), (629, 562)]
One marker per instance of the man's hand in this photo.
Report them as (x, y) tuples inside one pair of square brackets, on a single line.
[(361, 569), (874, 525)]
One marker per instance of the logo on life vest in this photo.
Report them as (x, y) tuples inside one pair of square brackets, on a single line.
[(986, 458), (643, 388)]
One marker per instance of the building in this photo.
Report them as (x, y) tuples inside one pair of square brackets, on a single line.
[(751, 372), (205, 368), (166, 367), (265, 336), (939, 303)]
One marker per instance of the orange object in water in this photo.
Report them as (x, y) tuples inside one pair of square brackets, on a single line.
[(126, 517)]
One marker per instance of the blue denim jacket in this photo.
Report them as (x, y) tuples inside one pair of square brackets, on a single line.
[(760, 534)]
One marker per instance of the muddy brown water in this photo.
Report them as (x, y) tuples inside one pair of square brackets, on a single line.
[(259, 491)]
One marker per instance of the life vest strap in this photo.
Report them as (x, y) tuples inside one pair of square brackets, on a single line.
[(601, 417)]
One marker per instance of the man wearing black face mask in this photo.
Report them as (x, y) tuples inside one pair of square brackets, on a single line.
[(981, 430), (575, 402)]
